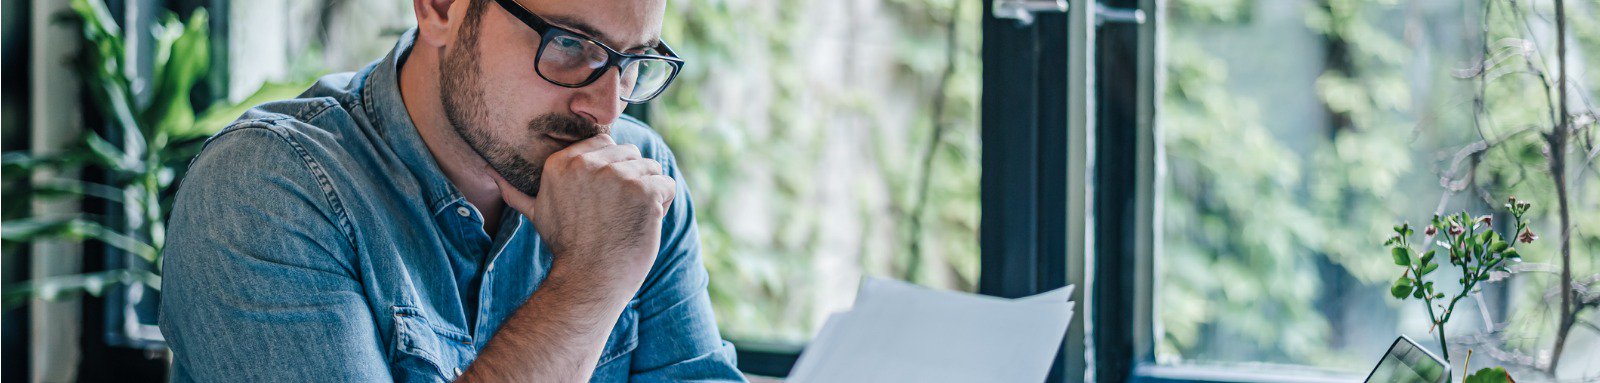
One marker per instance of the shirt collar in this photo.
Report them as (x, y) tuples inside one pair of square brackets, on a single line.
[(384, 106)]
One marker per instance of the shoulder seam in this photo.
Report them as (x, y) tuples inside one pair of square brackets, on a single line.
[(318, 173)]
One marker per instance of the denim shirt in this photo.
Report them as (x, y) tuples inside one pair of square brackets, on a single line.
[(316, 240)]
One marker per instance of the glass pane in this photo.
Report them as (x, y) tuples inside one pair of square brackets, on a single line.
[(824, 141), (1297, 133)]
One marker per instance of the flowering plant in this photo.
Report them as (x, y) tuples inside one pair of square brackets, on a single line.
[(1470, 244)]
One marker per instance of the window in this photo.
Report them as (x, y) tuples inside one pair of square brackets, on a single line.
[(1296, 133)]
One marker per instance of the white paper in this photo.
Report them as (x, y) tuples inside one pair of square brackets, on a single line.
[(899, 332)]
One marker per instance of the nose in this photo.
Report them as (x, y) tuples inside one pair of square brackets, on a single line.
[(600, 102)]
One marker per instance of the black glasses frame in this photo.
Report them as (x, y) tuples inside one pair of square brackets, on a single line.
[(614, 58)]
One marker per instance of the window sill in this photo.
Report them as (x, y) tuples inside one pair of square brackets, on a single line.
[(1243, 373)]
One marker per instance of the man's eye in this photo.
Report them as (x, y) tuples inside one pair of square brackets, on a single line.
[(567, 43)]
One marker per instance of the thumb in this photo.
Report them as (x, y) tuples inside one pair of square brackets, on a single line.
[(514, 197)]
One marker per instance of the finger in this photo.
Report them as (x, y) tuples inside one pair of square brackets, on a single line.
[(665, 189), (516, 198), (599, 141), (636, 168), (609, 155)]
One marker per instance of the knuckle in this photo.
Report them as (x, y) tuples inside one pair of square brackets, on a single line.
[(612, 168), (569, 155), (590, 161), (639, 186), (671, 188)]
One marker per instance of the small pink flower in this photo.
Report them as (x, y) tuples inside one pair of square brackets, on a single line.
[(1486, 220), (1430, 231), (1527, 236), (1457, 230)]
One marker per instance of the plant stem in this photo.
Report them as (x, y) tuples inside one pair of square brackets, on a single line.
[(1427, 301), (1444, 349), (1557, 140), (914, 240)]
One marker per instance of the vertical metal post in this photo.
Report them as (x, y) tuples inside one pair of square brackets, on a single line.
[(55, 123)]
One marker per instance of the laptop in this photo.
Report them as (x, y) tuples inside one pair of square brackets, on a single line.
[(1406, 362)]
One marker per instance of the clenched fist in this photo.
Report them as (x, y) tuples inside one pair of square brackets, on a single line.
[(600, 207)]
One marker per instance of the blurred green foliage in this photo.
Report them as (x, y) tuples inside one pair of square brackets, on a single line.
[(1288, 234), (926, 165)]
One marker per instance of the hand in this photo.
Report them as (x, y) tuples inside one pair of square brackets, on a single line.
[(600, 207)]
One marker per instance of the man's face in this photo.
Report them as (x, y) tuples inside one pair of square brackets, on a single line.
[(505, 111)]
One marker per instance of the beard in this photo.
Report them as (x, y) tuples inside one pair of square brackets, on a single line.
[(462, 96)]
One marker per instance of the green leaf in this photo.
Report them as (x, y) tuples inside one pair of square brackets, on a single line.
[(182, 60), (1428, 268), (1427, 257), (121, 101), (21, 164), (98, 25), (1402, 256), (220, 115), (77, 229), (107, 154), (67, 286), (58, 188), (1498, 247), (1402, 287), (1489, 375)]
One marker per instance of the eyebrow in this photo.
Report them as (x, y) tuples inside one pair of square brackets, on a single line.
[(592, 32)]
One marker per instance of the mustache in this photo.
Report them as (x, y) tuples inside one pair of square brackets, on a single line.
[(566, 125)]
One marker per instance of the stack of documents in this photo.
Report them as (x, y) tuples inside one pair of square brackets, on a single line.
[(899, 332)]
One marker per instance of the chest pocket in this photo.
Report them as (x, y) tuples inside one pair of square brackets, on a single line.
[(424, 353)]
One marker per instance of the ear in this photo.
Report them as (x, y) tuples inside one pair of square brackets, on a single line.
[(438, 20)]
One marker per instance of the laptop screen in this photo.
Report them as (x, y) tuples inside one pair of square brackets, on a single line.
[(1407, 363)]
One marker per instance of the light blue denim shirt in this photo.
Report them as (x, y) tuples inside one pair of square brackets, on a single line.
[(316, 240)]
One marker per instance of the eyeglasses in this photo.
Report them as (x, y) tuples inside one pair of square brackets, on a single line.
[(572, 60)]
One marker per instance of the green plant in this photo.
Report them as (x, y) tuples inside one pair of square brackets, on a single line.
[(1486, 375), (1489, 375), (158, 136), (1477, 254)]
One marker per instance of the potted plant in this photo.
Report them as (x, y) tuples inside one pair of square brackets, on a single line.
[(148, 143)]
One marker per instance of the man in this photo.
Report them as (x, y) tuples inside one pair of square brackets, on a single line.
[(472, 207)]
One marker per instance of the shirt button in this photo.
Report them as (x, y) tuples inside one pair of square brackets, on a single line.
[(462, 210), (491, 267), (458, 371)]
